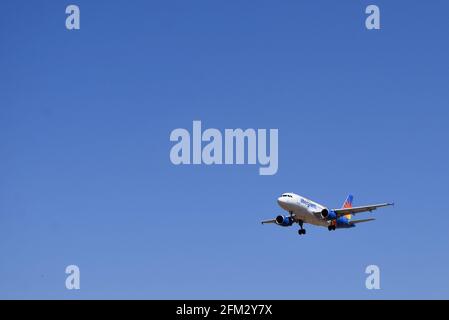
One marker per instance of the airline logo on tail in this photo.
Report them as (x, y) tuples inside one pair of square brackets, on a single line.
[(348, 204)]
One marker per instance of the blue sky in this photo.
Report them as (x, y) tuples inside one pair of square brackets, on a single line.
[(86, 179)]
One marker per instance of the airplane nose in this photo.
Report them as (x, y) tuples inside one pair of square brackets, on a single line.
[(284, 203), (281, 201)]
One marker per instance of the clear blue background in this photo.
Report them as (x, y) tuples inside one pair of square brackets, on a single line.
[(85, 175)]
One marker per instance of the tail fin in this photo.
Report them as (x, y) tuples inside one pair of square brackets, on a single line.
[(348, 202)]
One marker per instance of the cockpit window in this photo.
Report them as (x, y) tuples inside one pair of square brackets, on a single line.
[(287, 195)]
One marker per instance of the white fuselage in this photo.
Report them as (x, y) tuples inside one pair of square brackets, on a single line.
[(303, 209)]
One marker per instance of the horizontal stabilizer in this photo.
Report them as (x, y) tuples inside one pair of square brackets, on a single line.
[(362, 220)]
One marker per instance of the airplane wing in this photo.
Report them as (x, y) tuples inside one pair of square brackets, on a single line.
[(360, 221), (354, 210), (269, 221)]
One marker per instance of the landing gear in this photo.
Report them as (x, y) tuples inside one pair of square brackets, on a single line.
[(332, 228), (302, 230)]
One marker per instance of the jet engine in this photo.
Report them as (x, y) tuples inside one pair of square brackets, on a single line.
[(284, 221), (328, 215)]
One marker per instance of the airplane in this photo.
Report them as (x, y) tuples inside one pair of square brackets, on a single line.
[(302, 210)]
